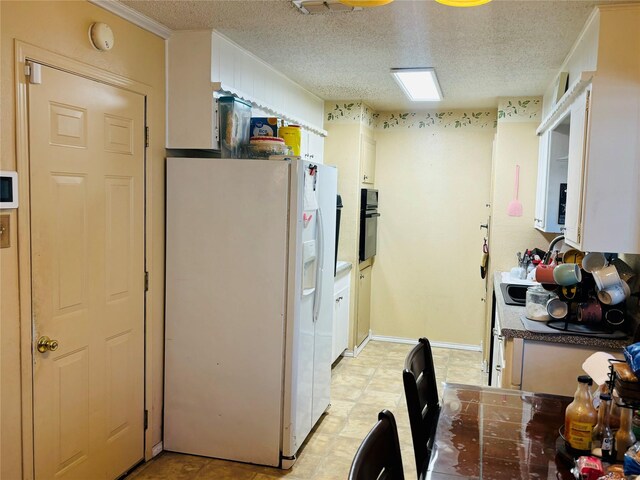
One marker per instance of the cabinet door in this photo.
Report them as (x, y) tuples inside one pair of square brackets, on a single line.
[(575, 172), (316, 148), (564, 360), (368, 152), (541, 188), (497, 363), (364, 305), (304, 144), (552, 177), (340, 323)]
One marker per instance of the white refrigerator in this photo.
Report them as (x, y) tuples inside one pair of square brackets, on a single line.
[(250, 247)]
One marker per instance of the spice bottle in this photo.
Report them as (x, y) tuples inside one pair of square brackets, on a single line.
[(580, 417), (624, 436), (602, 438)]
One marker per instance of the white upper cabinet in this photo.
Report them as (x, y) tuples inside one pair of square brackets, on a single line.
[(368, 163), (202, 64), (315, 148), (552, 178), (579, 120), (589, 139)]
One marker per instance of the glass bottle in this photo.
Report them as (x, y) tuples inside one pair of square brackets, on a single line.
[(624, 436), (602, 438), (614, 413), (580, 417)]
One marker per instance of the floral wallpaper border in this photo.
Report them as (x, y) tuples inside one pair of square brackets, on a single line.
[(350, 112), (358, 112), (446, 119), (519, 109), (510, 110)]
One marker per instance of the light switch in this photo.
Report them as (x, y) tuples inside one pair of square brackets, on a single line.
[(5, 232)]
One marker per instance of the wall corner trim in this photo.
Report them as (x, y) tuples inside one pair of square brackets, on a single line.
[(135, 17)]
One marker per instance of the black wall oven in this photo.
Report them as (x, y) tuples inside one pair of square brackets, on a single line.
[(368, 223)]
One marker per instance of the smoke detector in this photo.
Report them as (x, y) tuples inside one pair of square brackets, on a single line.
[(315, 7)]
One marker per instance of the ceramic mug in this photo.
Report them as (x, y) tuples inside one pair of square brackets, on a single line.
[(590, 312), (567, 274), (624, 270), (593, 261), (544, 274), (606, 277), (557, 309), (612, 296), (614, 316), (573, 255)]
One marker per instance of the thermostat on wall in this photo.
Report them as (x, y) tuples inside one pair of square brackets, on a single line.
[(8, 189)]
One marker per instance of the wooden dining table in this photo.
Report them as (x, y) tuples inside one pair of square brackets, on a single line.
[(492, 433)]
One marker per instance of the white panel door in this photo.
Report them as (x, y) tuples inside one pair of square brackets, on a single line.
[(87, 227)]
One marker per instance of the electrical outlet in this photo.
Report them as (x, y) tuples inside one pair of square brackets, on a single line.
[(5, 232)]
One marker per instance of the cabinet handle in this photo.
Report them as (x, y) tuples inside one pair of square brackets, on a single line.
[(538, 220), (498, 368), (361, 276)]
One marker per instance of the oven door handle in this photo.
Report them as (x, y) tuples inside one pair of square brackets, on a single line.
[(371, 215)]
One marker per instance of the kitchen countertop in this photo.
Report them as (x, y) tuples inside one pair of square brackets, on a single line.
[(343, 266), (512, 326)]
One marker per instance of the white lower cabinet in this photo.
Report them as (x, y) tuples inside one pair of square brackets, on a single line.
[(506, 365), (341, 298), (538, 366), (554, 367)]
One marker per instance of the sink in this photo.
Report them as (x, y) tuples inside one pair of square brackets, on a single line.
[(514, 294)]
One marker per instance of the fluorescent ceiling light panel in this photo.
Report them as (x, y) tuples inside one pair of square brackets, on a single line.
[(419, 84)]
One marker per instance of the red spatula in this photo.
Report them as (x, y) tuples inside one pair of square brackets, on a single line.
[(514, 209)]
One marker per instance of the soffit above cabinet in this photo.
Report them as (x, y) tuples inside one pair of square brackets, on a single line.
[(202, 64)]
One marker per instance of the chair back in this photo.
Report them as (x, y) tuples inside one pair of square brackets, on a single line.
[(423, 405), (378, 457)]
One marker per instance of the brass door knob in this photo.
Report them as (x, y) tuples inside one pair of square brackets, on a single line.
[(46, 344)]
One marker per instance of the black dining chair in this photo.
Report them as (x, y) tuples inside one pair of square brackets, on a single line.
[(378, 457), (423, 405)]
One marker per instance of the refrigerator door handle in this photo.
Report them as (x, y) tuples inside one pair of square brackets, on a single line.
[(318, 293)]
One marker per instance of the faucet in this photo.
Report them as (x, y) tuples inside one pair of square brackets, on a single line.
[(551, 245)]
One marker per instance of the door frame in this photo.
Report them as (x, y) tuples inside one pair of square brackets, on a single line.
[(26, 52)]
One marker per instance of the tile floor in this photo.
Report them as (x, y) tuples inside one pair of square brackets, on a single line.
[(360, 388)]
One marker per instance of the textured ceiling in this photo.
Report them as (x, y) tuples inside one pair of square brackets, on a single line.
[(504, 48)]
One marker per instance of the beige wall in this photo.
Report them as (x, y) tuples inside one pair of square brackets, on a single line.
[(434, 180), (342, 149), (62, 27), (516, 143)]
